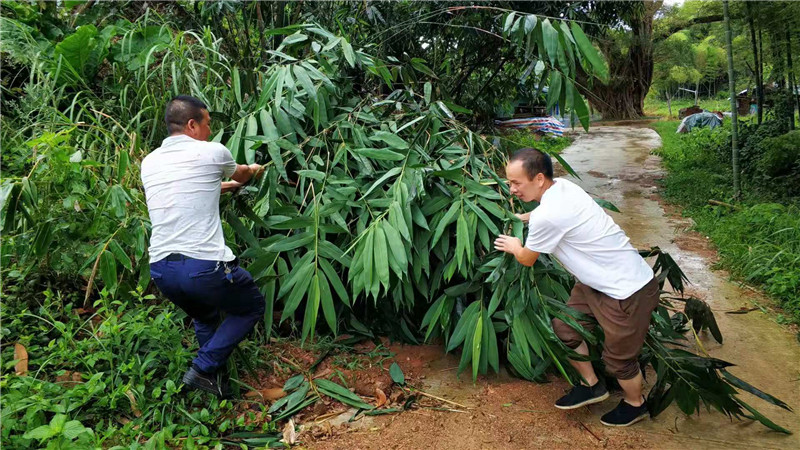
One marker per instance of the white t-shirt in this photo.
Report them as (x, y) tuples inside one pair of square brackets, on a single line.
[(569, 225), (182, 185)]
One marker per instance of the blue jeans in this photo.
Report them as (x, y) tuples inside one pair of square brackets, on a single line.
[(203, 289)]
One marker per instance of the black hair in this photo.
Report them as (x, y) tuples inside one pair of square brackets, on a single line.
[(180, 110), (534, 161)]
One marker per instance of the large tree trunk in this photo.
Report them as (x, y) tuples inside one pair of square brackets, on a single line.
[(630, 74)]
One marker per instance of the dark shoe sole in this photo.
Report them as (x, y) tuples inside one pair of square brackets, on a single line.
[(638, 419), (584, 403), (197, 387)]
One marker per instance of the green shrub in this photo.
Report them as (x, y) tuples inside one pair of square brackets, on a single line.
[(781, 155), (114, 367), (750, 138)]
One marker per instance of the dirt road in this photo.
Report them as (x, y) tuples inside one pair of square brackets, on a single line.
[(614, 163)]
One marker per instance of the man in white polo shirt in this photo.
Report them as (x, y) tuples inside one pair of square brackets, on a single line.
[(189, 261), (613, 282)]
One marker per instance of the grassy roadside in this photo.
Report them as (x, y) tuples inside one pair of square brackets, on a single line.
[(758, 240), (657, 107)]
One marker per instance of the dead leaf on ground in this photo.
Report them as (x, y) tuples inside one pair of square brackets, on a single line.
[(134, 407), (69, 378), (397, 396), (269, 394), (381, 398), (21, 356), (289, 435)]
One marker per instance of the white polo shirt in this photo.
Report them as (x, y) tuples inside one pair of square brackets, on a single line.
[(182, 186), (571, 226)]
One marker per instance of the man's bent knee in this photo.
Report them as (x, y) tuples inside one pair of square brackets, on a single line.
[(567, 334), (622, 370)]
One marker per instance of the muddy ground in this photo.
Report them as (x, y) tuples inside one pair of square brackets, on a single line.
[(614, 163)]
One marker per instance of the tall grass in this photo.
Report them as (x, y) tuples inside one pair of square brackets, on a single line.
[(657, 107)]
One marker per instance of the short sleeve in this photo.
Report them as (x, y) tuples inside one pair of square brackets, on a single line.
[(225, 159), (543, 236)]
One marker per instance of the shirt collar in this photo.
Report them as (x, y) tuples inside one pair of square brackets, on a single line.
[(178, 138)]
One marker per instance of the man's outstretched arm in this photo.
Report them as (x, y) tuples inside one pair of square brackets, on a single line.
[(244, 173), (510, 244), (230, 186)]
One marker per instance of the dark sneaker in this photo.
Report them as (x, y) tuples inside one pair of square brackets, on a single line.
[(206, 382), (624, 414), (581, 395)]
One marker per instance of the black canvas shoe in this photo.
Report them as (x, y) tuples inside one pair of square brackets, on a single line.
[(581, 395), (206, 382), (624, 415)]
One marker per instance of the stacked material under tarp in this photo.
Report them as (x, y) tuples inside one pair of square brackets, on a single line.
[(700, 120), (548, 125)]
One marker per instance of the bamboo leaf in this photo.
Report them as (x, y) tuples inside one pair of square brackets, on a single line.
[(446, 219), (581, 110), (550, 36), (484, 218), (428, 88), (349, 55), (462, 238), (293, 301), (268, 291), (509, 22), (606, 204), (555, 89), (252, 129), (381, 258), (761, 418), (461, 327), (476, 347), (391, 139), (341, 394), (383, 154), (333, 278), (313, 174), (587, 50), (292, 242), (108, 270), (237, 87), (122, 165), (380, 181), (242, 230), (327, 302), (305, 81), (312, 309), (747, 387), (120, 254), (397, 374)]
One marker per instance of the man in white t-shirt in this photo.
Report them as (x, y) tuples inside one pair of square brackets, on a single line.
[(189, 261), (613, 282)]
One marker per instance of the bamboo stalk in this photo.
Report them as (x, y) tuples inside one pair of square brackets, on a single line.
[(425, 394)]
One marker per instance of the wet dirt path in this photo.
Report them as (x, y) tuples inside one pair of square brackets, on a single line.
[(615, 164)]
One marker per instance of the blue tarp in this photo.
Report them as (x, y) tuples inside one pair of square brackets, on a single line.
[(700, 120)]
